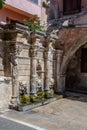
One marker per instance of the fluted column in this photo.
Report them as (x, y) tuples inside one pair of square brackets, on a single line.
[(15, 88), (60, 77), (34, 50), (33, 76), (49, 63)]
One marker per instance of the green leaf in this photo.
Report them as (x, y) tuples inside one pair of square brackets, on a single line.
[(2, 2), (33, 23)]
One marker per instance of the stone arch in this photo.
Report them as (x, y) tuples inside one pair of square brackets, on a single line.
[(71, 52), (66, 59)]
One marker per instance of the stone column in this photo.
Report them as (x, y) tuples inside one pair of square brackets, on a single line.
[(62, 83), (47, 75), (34, 50), (60, 78), (15, 88), (49, 60), (33, 75)]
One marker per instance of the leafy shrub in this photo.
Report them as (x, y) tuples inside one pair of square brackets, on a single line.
[(49, 94), (24, 99), (33, 23), (2, 2), (40, 94), (27, 99), (21, 99), (32, 98)]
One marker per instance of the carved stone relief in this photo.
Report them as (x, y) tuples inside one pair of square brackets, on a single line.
[(52, 9), (39, 76)]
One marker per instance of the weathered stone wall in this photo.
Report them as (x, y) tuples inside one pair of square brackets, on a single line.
[(72, 36), (28, 62), (39, 60), (1, 59), (5, 81), (74, 39), (40, 70), (5, 92), (23, 66)]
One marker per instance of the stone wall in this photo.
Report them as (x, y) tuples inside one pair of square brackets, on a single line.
[(39, 60), (23, 64), (74, 39), (27, 58), (5, 81)]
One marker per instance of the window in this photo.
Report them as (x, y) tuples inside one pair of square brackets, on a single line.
[(10, 21), (71, 6), (35, 1), (84, 60)]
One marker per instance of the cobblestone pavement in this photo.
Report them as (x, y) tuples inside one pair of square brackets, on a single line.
[(69, 113)]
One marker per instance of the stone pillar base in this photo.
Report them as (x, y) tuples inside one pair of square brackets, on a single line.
[(14, 102), (60, 84)]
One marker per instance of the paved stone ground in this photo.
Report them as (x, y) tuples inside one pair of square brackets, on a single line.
[(69, 113), (6, 124)]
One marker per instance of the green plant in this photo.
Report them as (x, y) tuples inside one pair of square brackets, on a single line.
[(33, 23), (21, 99), (27, 99), (24, 99), (2, 2), (32, 98), (49, 94), (40, 94)]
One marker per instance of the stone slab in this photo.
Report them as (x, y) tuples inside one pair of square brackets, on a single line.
[(24, 53), (1, 67), (1, 60), (28, 107), (1, 73), (49, 101), (23, 61), (24, 72), (24, 67), (24, 78), (33, 105)]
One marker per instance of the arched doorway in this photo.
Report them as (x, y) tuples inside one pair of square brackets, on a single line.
[(76, 73), (68, 69)]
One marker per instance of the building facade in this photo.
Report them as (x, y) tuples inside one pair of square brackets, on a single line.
[(70, 21), (56, 58), (59, 8), (19, 10)]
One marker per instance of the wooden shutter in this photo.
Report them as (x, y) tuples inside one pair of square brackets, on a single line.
[(84, 60), (71, 6)]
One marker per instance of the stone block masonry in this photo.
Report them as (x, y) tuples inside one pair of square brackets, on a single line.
[(27, 61), (38, 60)]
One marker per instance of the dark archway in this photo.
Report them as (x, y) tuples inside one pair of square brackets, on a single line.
[(67, 58), (73, 72)]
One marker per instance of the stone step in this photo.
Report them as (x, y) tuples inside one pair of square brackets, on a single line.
[(34, 105)]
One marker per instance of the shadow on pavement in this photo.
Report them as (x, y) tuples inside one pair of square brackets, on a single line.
[(76, 96)]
